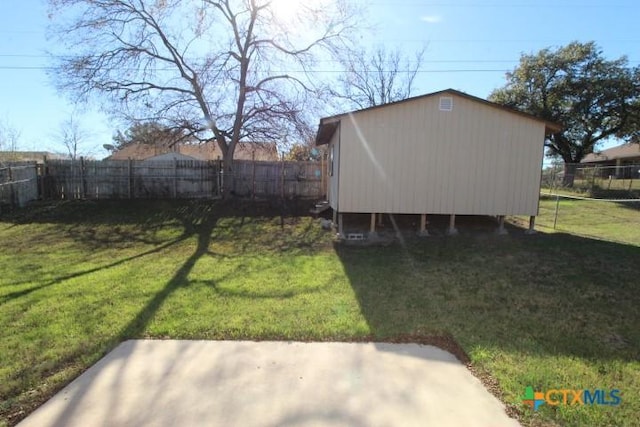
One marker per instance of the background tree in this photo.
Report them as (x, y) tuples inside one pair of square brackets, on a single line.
[(148, 133), (224, 70), (304, 152), (74, 138), (9, 140), (377, 77), (631, 129), (591, 97)]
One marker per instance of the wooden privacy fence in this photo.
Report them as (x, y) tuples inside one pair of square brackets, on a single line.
[(279, 179), (18, 184), (129, 179)]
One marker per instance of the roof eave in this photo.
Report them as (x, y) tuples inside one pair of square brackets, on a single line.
[(326, 129), (550, 127)]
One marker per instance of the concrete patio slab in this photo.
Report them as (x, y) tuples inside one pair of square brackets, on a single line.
[(241, 383)]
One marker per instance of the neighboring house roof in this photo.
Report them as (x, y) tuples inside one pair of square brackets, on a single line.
[(28, 156), (264, 151), (137, 151), (169, 156), (328, 125), (625, 151), (206, 151)]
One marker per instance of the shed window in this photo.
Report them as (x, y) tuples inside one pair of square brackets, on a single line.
[(446, 103)]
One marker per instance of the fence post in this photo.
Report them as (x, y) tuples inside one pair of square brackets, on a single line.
[(253, 175), (209, 179), (215, 177), (129, 178), (283, 178), (175, 178), (219, 174), (12, 194), (555, 217), (83, 178), (43, 176)]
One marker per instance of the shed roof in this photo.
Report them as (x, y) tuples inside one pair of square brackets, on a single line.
[(624, 151), (328, 125), (29, 156)]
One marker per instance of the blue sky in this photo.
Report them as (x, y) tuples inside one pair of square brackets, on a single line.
[(485, 37)]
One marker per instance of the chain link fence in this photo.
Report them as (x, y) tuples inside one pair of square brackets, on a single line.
[(597, 181), (601, 202)]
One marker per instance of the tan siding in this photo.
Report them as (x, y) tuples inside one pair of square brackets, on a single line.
[(413, 158)]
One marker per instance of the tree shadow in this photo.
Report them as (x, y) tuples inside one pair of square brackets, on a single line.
[(61, 279), (196, 222), (630, 205), (81, 219), (122, 223), (202, 227), (138, 221), (201, 223), (555, 294)]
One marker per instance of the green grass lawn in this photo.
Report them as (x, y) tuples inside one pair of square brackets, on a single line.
[(613, 221), (600, 187), (551, 311)]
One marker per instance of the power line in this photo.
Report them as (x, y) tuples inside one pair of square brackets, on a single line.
[(507, 5), (506, 41), (21, 55), (335, 61), (427, 61), (461, 70)]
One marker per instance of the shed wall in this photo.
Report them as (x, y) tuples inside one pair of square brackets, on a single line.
[(414, 158)]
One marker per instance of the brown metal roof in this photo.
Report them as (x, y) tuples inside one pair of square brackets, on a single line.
[(624, 151), (29, 156), (328, 125), (261, 151)]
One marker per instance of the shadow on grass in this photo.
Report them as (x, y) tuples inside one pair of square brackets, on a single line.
[(122, 223), (199, 220), (199, 223), (203, 228), (60, 279), (630, 205), (546, 294)]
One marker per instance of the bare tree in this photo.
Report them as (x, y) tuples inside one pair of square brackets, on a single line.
[(148, 133), (219, 70), (378, 77), (9, 139), (73, 137)]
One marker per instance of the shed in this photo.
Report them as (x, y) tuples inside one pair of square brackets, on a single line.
[(442, 153)]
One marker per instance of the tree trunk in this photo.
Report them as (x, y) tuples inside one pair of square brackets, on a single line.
[(569, 174)]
